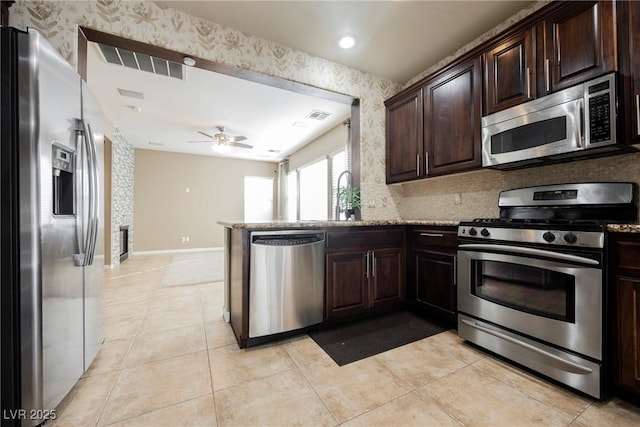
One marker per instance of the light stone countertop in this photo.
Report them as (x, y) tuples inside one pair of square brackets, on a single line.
[(311, 224), (624, 228), (618, 228)]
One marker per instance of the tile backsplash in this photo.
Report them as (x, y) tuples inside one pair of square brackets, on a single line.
[(435, 198)]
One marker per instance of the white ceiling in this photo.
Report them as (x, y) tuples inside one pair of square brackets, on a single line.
[(173, 111), (395, 39)]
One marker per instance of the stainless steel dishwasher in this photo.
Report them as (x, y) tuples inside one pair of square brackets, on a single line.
[(286, 281)]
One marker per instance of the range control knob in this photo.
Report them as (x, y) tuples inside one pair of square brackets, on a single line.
[(570, 238), (485, 232), (472, 232), (549, 237)]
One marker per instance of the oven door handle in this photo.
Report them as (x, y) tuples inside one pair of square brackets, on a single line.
[(566, 364), (530, 251)]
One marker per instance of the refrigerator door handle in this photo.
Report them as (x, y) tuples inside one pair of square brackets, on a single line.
[(94, 192), (82, 235)]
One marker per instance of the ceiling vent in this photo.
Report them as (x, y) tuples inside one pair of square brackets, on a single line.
[(131, 93), (318, 115), (140, 61)]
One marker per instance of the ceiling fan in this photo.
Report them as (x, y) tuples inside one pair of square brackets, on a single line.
[(224, 139)]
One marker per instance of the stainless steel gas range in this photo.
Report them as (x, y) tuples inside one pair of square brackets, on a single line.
[(531, 284)]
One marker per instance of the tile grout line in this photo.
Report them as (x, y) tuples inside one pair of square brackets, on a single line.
[(530, 396), (297, 366), (135, 336), (206, 346)]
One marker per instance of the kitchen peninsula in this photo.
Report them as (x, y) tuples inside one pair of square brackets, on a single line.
[(364, 266)]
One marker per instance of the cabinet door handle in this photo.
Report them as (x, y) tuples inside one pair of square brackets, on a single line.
[(432, 235), (637, 114), (546, 72), (367, 266), (455, 271), (373, 264), (528, 83), (418, 164), (426, 161)]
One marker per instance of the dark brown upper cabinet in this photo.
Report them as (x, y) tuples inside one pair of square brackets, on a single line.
[(404, 138), (510, 73), (573, 43), (451, 121), (629, 65), (433, 127), (435, 130), (579, 43)]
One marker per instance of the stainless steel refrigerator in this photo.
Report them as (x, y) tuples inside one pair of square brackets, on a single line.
[(51, 248)]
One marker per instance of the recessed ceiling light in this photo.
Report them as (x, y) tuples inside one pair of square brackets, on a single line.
[(347, 42), (189, 61)]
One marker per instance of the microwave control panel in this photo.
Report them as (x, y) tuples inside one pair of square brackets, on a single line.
[(600, 117)]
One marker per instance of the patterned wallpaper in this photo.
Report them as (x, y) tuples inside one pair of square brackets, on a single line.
[(122, 178), (426, 199), (148, 22)]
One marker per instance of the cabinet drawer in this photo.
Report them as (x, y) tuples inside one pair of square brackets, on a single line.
[(433, 237), (369, 239)]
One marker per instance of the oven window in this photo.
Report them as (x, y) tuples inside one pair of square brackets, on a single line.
[(533, 290), (529, 136)]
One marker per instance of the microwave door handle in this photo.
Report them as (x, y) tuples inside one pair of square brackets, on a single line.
[(637, 114), (579, 123), (531, 252)]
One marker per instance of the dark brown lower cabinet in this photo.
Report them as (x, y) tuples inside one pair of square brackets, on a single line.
[(364, 270), (346, 284), (431, 275), (625, 298)]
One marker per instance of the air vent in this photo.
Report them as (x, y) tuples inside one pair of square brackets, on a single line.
[(131, 93), (318, 115), (140, 61)]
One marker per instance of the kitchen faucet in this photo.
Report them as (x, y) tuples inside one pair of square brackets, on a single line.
[(349, 177)]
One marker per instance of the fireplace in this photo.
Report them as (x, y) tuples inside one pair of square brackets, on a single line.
[(124, 242)]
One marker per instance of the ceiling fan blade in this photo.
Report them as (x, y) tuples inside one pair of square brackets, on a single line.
[(241, 145), (236, 138), (207, 135)]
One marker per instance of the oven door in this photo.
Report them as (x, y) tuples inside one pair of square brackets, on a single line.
[(549, 296)]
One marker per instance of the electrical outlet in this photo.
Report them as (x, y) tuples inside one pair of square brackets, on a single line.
[(457, 199), (186, 239)]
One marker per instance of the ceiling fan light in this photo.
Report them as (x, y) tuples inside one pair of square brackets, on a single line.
[(221, 148)]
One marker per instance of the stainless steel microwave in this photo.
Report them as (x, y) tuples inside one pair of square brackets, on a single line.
[(578, 121)]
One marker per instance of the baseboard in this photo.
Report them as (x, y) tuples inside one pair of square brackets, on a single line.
[(177, 251)]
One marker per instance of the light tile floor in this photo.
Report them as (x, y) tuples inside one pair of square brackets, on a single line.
[(170, 360)]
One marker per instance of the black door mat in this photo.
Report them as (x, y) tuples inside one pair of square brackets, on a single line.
[(357, 340)]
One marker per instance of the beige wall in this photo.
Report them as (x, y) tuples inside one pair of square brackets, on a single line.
[(164, 211), (324, 145)]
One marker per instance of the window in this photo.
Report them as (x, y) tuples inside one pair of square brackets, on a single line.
[(311, 189), (292, 196), (313, 197), (258, 198)]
